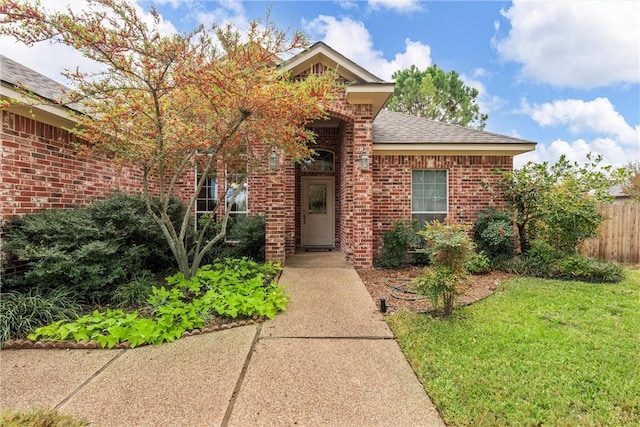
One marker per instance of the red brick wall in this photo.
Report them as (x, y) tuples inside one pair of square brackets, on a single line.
[(467, 193), (40, 168)]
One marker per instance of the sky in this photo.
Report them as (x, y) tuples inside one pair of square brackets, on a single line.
[(564, 73)]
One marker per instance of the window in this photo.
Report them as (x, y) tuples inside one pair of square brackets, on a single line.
[(429, 198), (321, 161), (207, 200), (237, 183)]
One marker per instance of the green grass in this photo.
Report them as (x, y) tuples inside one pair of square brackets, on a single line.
[(538, 352)]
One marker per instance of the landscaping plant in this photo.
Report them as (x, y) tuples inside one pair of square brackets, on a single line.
[(21, 313), (228, 289), (449, 248), (39, 418), (559, 203), (90, 250), (493, 233), (396, 244)]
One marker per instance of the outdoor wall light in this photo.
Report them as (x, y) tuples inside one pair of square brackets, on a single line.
[(363, 161), (274, 160)]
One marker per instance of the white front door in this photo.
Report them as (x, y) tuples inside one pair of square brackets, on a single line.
[(318, 213)]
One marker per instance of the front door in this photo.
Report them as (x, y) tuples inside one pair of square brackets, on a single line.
[(318, 214)]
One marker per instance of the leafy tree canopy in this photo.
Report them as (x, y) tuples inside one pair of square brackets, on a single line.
[(167, 99), (438, 95), (632, 187), (559, 203)]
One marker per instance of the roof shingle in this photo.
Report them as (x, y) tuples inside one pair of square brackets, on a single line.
[(390, 127)]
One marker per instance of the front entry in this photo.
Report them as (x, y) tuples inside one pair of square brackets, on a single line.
[(317, 225)]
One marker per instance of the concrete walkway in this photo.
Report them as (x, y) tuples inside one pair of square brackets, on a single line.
[(329, 360)]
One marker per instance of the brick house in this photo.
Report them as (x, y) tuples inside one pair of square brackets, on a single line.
[(371, 168)]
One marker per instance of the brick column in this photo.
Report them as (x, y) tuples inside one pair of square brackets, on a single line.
[(362, 194), (276, 214)]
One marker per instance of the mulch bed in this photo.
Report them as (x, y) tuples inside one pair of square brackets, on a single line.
[(393, 284)]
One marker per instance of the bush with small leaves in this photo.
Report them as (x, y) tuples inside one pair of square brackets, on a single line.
[(493, 233), (396, 245), (478, 263), (583, 268), (89, 250)]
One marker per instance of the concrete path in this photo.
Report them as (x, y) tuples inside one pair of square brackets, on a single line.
[(329, 360)]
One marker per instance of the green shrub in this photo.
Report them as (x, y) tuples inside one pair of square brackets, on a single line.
[(514, 265), (21, 314), (90, 250), (246, 238), (539, 258), (124, 219), (250, 233), (449, 248), (588, 269), (396, 245), (493, 233), (478, 263), (543, 260), (440, 285)]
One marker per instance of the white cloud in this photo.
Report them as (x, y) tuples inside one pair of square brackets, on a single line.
[(598, 116), (574, 43), (229, 12), (353, 40), (486, 101), (348, 4), (615, 139), (398, 5), (613, 153)]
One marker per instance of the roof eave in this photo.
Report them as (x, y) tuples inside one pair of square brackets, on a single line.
[(48, 113), (376, 94), (456, 149)]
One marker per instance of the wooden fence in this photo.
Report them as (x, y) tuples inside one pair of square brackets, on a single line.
[(619, 238)]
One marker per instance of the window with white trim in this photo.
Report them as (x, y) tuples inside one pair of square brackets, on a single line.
[(429, 195), (207, 200)]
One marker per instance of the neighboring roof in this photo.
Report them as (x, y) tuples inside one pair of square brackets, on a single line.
[(403, 133), (617, 191)]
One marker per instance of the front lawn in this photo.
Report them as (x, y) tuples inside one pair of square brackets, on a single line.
[(538, 352)]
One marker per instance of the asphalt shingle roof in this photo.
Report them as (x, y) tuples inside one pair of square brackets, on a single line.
[(391, 127), (18, 75)]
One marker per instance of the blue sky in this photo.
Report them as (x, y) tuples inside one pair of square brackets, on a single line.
[(565, 74)]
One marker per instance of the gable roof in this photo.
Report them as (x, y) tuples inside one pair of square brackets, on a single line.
[(363, 87), (398, 133), (319, 52)]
